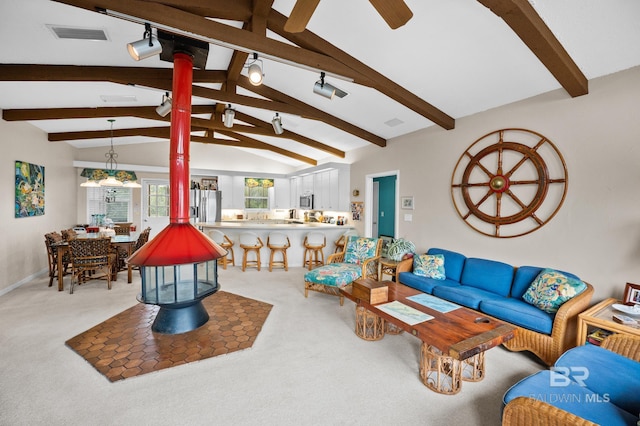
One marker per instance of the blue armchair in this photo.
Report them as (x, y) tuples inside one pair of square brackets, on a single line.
[(359, 259)]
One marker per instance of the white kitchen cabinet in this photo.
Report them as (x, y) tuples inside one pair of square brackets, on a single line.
[(238, 192), (282, 197), (225, 185), (294, 200)]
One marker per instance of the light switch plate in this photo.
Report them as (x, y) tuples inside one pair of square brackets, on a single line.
[(408, 217)]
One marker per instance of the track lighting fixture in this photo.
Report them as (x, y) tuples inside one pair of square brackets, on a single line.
[(228, 116), (255, 71), (327, 90), (277, 124), (145, 48), (165, 107)]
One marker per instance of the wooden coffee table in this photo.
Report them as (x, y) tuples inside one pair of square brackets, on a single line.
[(453, 343)]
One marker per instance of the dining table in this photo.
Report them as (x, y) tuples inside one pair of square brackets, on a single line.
[(124, 242)]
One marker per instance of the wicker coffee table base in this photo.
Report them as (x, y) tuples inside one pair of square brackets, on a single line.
[(369, 326), (444, 374)]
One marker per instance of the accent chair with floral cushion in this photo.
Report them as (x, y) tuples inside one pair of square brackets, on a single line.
[(359, 259)]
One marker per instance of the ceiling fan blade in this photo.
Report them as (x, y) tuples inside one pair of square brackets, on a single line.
[(300, 15), (396, 13)]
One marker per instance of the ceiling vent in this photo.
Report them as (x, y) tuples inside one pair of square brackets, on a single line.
[(75, 33), (394, 122)]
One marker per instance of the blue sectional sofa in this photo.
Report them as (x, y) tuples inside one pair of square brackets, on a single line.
[(496, 289), (587, 385)]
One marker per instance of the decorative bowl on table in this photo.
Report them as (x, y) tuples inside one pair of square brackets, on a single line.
[(633, 310)]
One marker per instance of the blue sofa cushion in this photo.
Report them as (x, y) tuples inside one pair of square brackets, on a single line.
[(524, 277), (424, 284), (453, 263), (554, 389), (519, 313), (487, 275), (603, 374), (465, 295)]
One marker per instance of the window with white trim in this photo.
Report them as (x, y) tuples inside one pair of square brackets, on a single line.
[(114, 203)]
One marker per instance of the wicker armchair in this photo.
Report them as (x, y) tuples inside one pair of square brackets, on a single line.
[(92, 255), (359, 259), (525, 411), (50, 241), (143, 238)]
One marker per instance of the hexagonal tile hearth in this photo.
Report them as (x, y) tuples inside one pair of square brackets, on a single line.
[(124, 345)]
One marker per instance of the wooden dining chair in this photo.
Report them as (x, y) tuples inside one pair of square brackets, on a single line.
[(50, 241), (122, 230), (92, 256)]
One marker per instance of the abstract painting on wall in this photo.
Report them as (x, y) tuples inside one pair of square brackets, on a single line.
[(29, 189)]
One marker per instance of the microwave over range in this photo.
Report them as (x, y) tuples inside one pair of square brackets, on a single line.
[(306, 202)]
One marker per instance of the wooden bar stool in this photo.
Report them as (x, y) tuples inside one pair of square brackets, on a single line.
[(278, 243), (226, 243), (250, 242), (314, 243)]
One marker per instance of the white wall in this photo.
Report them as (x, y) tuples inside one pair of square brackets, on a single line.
[(22, 249), (596, 233)]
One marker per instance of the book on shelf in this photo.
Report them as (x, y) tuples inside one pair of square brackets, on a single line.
[(597, 336)]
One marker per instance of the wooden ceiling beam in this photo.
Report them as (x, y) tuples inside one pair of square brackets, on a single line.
[(532, 30), (366, 76), (36, 72), (259, 124), (263, 145), (158, 132), (36, 114), (307, 111), (235, 38), (236, 10)]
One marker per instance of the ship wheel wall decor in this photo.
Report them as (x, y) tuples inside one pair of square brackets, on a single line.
[(509, 183)]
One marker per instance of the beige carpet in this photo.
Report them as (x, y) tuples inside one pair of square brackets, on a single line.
[(306, 367)]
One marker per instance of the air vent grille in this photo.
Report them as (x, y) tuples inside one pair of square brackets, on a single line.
[(74, 33)]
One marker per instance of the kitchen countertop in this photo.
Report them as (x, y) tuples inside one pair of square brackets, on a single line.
[(270, 224)]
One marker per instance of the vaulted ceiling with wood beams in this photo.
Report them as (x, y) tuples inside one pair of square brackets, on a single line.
[(398, 66)]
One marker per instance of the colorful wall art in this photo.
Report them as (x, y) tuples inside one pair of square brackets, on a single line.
[(29, 189)]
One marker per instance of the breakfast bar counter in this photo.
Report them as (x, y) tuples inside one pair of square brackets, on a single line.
[(295, 230)]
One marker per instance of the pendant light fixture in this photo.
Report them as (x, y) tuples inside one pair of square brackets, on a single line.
[(111, 165)]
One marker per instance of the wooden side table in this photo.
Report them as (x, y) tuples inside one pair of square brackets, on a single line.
[(600, 316), (388, 267)]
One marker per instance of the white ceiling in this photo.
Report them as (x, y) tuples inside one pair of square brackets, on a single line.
[(456, 54)]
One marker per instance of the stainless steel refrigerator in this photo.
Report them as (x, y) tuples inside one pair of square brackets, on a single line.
[(205, 205)]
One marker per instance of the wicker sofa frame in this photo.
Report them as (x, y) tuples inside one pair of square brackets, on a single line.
[(546, 347), (525, 411)]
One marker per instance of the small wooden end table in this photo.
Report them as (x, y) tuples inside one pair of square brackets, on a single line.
[(600, 316), (388, 267)]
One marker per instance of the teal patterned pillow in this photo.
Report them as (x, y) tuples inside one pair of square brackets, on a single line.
[(429, 265), (551, 289), (360, 249)]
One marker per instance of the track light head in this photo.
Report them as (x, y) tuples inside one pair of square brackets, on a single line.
[(228, 116), (145, 48), (165, 107), (277, 124), (255, 71), (327, 90)]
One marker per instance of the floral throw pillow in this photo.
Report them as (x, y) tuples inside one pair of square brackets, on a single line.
[(360, 249), (429, 265), (551, 289)]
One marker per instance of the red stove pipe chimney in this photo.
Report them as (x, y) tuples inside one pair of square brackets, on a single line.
[(180, 242), (180, 135)]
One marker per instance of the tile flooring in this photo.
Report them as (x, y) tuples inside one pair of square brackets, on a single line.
[(124, 345)]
